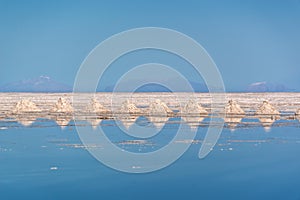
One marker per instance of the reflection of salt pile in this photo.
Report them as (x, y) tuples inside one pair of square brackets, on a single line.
[(96, 107), (26, 121), (234, 114), (128, 107), (63, 121), (270, 114), (233, 108), (233, 122), (192, 107), (267, 109), (158, 113), (158, 122), (298, 114), (127, 120), (159, 107), (62, 105), (196, 110), (95, 122), (267, 122), (25, 106)]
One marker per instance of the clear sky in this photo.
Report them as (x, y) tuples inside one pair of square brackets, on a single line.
[(250, 41)]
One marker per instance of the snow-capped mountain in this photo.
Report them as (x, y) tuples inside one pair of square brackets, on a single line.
[(39, 84)]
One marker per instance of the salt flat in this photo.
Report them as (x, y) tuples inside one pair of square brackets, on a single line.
[(284, 102)]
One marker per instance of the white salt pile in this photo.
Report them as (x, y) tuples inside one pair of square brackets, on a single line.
[(96, 107), (234, 108), (192, 107), (62, 105), (298, 112), (128, 107), (25, 106), (159, 108), (267, 109)]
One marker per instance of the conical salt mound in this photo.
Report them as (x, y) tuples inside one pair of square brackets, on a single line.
[(267, 109), (192, 107), (25, 106), (130, 108), (96, 107), (234, 108), (298, 112), (62, 105), (159, 108)]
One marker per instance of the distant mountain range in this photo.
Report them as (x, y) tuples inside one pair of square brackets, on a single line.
[(39, 84), (267, 87), (46, 84)]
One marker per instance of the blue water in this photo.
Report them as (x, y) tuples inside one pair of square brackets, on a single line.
[(41, 162)]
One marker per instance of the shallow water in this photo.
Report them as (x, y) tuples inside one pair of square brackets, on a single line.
[(44, 161)]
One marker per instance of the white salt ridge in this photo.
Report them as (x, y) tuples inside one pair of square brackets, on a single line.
[(234, 108), (159, 107), (128, 107), (62, 105), (192, 107), (25, 106), (96, 107), (267, 109)]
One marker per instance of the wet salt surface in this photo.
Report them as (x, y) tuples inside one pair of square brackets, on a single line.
[(44, 161)]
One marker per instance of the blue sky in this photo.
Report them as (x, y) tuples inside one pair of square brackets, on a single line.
[(250, 41)]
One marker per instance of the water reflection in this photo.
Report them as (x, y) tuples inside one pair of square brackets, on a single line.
[(62, 120), (193, 122), (158, 121), (127, 120), (95, 122), (25, 120), (233, 121), (267, 121)]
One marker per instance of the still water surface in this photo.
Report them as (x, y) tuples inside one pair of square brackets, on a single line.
[(44, 161)]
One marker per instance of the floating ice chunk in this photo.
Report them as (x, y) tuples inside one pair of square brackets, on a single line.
[(53, 168)]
